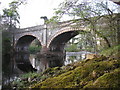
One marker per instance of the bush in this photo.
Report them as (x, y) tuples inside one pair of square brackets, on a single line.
[(34, 49), (114, 51), (72, 48)]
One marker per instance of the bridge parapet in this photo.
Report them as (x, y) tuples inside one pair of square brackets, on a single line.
[(29, 29), (66, 26)]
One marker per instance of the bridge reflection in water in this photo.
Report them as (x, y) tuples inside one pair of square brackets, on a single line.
[(25, 62), (36, 62), (42, 63)]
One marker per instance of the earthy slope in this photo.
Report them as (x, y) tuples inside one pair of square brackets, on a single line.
[(99, 72)]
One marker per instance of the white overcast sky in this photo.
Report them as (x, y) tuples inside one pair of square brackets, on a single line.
[(31, 12), (34, 9)]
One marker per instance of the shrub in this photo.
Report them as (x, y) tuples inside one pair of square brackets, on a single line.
[(72, 48), (34, 49)]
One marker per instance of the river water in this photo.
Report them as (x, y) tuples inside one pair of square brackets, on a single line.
[(25, 62)]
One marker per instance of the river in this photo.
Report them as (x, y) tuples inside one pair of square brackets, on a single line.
[(25, 62)]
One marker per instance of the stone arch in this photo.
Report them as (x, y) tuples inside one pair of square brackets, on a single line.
[(59, 39), (24, 41)]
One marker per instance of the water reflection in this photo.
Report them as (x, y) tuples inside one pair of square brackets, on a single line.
[(38, 63), (42, 63), (9, 70), (75, 56), (25, 62)]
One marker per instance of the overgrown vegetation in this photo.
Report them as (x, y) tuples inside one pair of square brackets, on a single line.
[(100, 72), (35, 46), (33, 49), (94, 14), (72, 48), (112, 51), (9, 20)]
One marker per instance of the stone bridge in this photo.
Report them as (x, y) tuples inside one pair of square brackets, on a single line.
[(52, 37)]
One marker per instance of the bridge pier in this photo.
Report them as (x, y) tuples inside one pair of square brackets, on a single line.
[(44, 50), (47, 53)]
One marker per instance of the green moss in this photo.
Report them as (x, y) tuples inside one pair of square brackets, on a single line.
[(108, 80), (84, 75), (54, 71), (94, 73)]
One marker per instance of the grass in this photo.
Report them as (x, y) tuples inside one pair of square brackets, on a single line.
[(112, 51)]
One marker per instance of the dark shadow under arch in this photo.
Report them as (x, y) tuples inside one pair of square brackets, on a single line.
[(24, 42), (58, 43)]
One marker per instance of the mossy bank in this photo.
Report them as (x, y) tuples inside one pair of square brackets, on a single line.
[(100, 72)]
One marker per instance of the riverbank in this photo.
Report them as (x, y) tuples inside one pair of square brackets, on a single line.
[(99, 72)]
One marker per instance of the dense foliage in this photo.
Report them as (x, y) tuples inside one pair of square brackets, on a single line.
[(9, 20), (10, 15)]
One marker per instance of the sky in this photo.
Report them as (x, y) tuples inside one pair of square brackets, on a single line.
[(31, 12), (34, 9)]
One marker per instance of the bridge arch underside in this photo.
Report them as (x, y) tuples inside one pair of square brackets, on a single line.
[(24, 42), (58, 43)]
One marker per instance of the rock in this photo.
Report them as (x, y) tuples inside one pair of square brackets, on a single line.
[(94, 74), (91, 56)]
